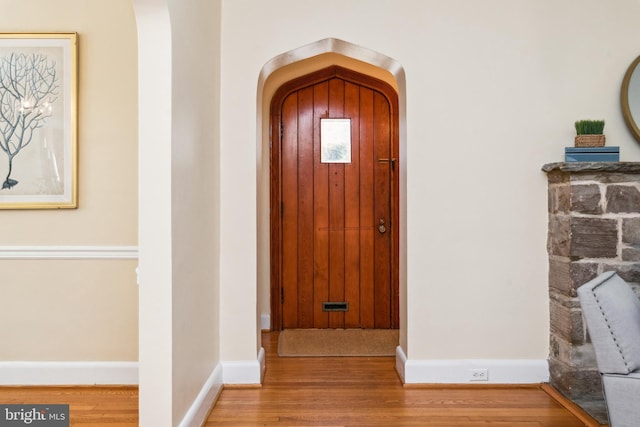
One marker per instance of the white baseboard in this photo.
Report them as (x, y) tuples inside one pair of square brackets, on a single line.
[(244, 372), (197, 414), (68, 373), (459, 371)]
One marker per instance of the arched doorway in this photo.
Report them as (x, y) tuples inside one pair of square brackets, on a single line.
[(288, 66), (334, 217)]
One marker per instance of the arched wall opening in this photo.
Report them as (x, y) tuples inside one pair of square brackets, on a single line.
[(291, 65)]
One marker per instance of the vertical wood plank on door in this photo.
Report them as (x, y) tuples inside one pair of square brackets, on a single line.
[(395, 214), (352, 209), (305, 208), (321, 211), (289, 215), (336, 213), (383, 207), (367, 213), (274, 229)]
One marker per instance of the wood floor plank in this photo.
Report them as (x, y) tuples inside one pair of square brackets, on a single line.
[(360, 391)]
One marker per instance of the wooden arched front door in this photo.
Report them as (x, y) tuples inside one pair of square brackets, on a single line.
[(334, 231)]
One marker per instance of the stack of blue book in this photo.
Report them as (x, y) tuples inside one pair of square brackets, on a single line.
[(592, 154)]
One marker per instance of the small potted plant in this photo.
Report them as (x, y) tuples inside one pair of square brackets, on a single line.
[(589, 133)]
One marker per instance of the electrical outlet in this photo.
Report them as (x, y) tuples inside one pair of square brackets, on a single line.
[(481, 374)]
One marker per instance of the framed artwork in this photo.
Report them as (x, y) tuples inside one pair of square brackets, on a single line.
[(38, 120)]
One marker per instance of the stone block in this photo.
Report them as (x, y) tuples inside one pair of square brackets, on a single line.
[(578, 356), (586, 199), (594, 238), (559, 275), (559, 199), (628, 272), (554, 346), (583, 357), (566, 318), (558, 237), (556, 177), (631, 231), (622, 199), (567, 276), (551, 200), (631, 254), (581, 273), (574, 383)]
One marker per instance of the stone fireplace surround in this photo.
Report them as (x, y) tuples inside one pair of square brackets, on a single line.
[(594, 226)]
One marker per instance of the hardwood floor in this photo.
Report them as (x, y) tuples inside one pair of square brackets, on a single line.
[(331, 391), (88, 406), (367, 392)]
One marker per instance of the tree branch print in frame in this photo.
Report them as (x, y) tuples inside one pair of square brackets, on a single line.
[(38, 120)]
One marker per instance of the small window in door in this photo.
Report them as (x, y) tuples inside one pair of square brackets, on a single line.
[(335, 140)]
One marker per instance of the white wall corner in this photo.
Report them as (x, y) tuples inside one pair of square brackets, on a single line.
[(265, 322), (244, 372), (199, 410), (465, 371), (68, 373), (401, 361), (263, 363)]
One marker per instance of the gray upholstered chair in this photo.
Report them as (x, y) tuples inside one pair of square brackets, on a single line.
[(611, 311)]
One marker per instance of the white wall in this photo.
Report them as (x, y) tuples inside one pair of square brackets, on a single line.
[(68, 276), (493, 89), (195, 199), (180, 371), (155, 268)]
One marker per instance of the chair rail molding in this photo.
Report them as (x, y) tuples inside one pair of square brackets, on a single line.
[(69, 252)]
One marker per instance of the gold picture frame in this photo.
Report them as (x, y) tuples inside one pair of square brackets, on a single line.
[(38, 120)]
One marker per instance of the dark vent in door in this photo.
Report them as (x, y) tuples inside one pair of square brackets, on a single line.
[(335, 306)]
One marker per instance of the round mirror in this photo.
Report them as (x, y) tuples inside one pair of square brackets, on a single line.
[(630, 98)]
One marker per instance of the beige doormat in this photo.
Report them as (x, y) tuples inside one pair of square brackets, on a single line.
[(337, 342)]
